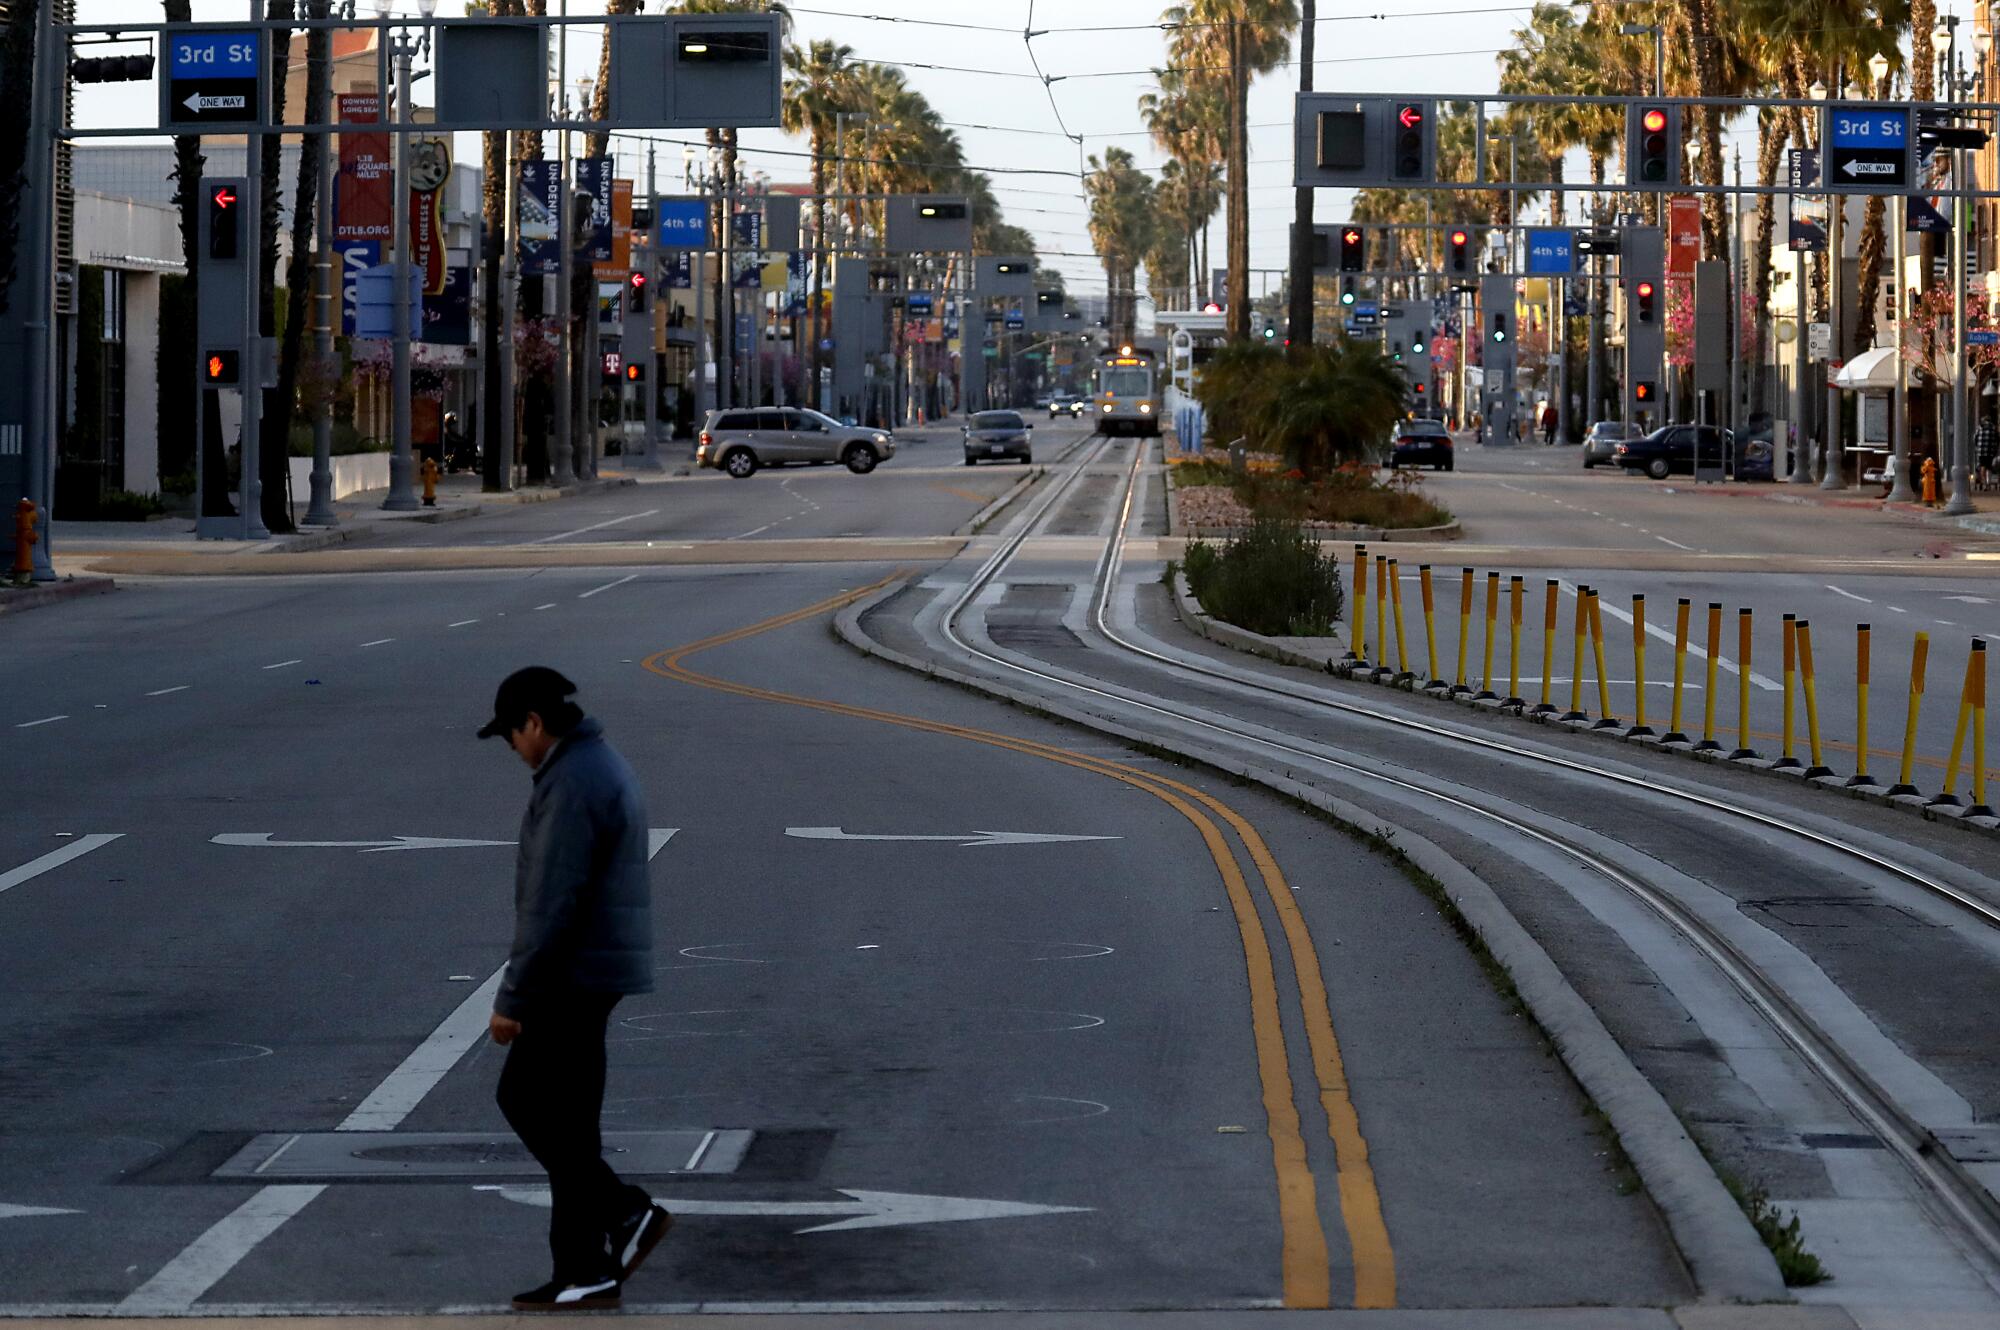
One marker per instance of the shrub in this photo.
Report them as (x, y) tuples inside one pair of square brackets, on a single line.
[(1272, 579), (1333, 404), (125, 506)]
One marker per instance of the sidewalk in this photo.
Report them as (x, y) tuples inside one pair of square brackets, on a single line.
[(458, 496)]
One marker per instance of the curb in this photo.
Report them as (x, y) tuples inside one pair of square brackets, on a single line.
[(1728, 1261), (324, 537), (1194, 617), (40, 594), (1329, 531)]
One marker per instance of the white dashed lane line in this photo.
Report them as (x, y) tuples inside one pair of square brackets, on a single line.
[(281, 664), (378, 642), (551, 605), (1849, 594), (461, 623), (177, 688), (607, 586), (599, 526), (1675, 543), (46, 720)]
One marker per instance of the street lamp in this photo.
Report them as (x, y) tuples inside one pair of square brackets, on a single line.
[(402, 463)]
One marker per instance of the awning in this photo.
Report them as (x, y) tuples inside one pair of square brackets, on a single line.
[(1871, 371)]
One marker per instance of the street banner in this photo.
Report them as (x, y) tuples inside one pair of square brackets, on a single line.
[(541, 198), (621, 233), (365, 184), (356, 257), (448, 311), (748, 269), (430, 167), (593, 177), (1921, 216), (1806, 219), (1683, 234), (679, 268)]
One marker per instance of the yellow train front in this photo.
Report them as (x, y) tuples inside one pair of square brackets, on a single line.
[(1128, 392)]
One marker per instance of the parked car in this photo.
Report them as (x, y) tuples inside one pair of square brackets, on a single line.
[(1672, 448), (1601, 440), (1422, 443), (741, 441), (993, 436)]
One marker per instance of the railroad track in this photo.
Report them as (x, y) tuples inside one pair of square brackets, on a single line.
[(1967, 1210)]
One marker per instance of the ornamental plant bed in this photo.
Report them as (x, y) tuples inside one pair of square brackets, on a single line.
[(1344, 496)]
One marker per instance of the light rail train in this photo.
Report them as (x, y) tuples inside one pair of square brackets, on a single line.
[(1128, 392)]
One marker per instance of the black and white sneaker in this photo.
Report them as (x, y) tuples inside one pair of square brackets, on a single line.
[(561, 1296), (634, 1240)]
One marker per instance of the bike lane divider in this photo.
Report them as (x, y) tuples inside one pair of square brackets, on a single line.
[(76, 849), (203, 1263)]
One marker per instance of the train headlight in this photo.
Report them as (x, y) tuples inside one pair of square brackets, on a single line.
[(1145, 408), (1105, 407)]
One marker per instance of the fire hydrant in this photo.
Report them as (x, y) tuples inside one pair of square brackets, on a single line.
[(430, 482), (24, 542), (1930, 480)]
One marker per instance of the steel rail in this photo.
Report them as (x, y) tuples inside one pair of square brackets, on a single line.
[(1964, 1201)]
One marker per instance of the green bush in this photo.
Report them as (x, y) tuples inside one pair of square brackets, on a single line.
[(347, 440), (1330, 404), (124, 506), (1272, 579)]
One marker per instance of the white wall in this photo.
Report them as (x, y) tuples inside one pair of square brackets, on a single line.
[(142, 372), (351, 475)]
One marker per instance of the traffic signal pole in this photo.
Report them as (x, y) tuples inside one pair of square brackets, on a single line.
[(38, 424)]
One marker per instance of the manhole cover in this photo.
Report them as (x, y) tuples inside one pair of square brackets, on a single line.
[(1834, 912)]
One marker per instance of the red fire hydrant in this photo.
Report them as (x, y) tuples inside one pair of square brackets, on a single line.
[(1930, 480), (24, 542), (430, 482)]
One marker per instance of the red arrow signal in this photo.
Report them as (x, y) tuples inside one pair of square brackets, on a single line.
[(225, 197), (1410, 116)]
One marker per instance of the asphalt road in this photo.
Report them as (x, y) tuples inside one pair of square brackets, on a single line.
[(1080, 1025)]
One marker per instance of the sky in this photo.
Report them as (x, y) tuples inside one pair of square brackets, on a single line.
[(972, 61)]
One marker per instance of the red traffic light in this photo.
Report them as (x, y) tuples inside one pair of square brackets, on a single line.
[(225, 197), (1654, 120), (1410, 116), (1645, 290), (1458, 237), (1351, 236), (638, 281)]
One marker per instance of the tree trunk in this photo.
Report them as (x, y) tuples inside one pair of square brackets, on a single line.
[(1239, 192), (305, 205), (1770, 152), (1869, 257), (275, 426), (1302, 210), (819, 167)]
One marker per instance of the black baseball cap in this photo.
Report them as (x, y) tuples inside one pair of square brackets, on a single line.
[(536, 688)]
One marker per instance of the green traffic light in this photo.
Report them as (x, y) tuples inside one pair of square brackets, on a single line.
[(1346, 297), (1417, 346)]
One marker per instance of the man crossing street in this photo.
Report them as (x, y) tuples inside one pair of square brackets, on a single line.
[(583, 939)]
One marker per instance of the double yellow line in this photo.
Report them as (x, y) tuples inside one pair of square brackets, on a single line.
[(1305, 1264)]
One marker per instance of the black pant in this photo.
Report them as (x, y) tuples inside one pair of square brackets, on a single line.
[(551, 1091)]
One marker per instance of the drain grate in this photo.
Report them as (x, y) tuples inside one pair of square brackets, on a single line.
[(1834, 912), (1032, 635), (384, 1156)]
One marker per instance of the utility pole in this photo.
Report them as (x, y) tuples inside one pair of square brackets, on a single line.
[(402, 463), (319, 509), (38, 433), (562, 470), (1301, 313), (500, 471), (1961, 432)]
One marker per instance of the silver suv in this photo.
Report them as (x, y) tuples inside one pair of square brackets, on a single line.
[(741, 440)]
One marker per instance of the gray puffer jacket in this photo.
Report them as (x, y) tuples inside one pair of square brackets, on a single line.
[(583, 920)]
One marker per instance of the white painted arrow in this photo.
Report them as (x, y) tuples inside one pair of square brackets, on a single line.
[(1971, 600), (964, 838), (29, 1211), (262, 840), (865, 1209)]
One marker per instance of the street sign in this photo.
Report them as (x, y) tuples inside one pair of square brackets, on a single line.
[(213, 77), (1870, 149), (1982, 337), (1551, 251), (918, 302), (681, 223), (1819, 340), (1367, 310)]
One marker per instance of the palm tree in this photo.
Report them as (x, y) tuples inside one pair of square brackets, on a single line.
[(495, 181), (821, 86), (275, 419), (1233, 41), (1121, 226)]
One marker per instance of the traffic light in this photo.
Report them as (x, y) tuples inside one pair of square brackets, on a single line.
[(1406, 131), (221, 368), (1353, 249), (1396, 351), (225, 222), (1416, 343), (1347, 290), (1642, 300), (635, 292), (1643, 392), (1499, 333), (112, 69), (1270, 330), (1653, 147), (1461, 261)]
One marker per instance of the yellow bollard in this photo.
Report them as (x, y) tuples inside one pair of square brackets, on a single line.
[(1549, 602), (1861, 644), (1974, 660), (1743, 640), (1708, 742), (1605, 719), (1492, 622), (1359, 623), (1639, 725), (1681, 612), (1464, 626), (1919, 659), (1396, 605), (1576, 711), (1787, 760), (1431, 679), (1979, 808), (1381, 614), (1514, 591), (1818, 766)]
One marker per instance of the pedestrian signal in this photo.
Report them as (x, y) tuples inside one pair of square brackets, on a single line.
[(1643, 391), (220, 368), (634, 373), (1353, 249), (1460, 260)]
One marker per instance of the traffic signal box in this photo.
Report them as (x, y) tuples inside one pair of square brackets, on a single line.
[(1363, 141), (1652, 146), (1459, 257), (222, 316), (1642, 273), (1353, 249), (1496, 312)]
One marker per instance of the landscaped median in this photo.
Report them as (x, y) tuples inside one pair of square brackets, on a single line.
[(1348, 503)]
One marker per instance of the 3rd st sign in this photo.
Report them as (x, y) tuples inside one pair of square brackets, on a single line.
[(1869, 149), (213, 77)]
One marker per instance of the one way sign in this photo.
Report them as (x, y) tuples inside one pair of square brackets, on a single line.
[(213, 77), (1869, 149)]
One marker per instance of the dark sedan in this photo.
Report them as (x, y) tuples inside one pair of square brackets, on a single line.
[(996, 436), (1422, 443), (1672, 449)]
